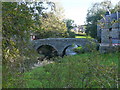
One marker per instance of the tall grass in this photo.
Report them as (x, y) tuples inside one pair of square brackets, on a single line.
[(88, 70)]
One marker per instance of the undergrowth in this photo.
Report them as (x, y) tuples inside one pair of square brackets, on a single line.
[(88, 70)]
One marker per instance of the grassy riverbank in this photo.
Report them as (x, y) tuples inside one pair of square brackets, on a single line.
[(82, 37), (89, 70)]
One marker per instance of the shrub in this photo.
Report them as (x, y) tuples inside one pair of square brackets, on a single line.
[(79, 49), (89, 70), (71, 34)]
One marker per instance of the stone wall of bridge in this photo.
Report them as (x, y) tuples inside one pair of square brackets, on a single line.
[(60, 44)]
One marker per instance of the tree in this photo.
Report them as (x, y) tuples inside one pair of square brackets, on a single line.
[(19, 21), (70, 25), (51, 27), (116, 8), (49, 23), (91, 28), (94, 14), (38, 9), (16, 48), (17, 24)]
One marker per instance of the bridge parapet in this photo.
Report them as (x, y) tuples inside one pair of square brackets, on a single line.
[(61, 43)]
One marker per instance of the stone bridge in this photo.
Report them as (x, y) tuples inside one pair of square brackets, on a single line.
[(60, 44)]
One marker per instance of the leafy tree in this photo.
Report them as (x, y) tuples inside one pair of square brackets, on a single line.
[(20, 19), (17, 24), (117, 7), (94, 14), (91, 28), (39, 9), (49, 22), (70, 25), (16, 48), (51, 27)]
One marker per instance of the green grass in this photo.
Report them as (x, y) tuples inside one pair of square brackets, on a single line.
[(89, 70), (0, 61), (79, 33), (82, 37), (0, 76)]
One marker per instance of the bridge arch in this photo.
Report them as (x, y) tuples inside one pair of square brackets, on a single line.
[(69, 45), (61, 44), (64, 49), (47, 50)]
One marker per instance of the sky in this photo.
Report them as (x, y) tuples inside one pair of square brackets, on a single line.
[(77, 9)]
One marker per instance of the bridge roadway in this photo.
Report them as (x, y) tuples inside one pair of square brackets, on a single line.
[(61, 44)]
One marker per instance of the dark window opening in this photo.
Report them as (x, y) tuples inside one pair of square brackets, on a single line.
[(110, 29), (110, 37)]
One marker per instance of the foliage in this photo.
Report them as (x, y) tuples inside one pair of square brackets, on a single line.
[(116, 8), (51, 27), (70, 34), (16, 28), (16, 46), (89, 70), (79, 50), (20, 19), (94, 14), (70, 25), (40, 8), (91, 28), (47, 16), (83, 37), (89, 47)]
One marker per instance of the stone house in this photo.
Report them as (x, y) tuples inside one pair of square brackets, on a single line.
[(108, 30)]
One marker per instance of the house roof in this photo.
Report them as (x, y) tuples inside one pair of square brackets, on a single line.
[(109, 18)]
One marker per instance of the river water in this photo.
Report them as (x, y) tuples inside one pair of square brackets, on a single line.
[(69, 50)]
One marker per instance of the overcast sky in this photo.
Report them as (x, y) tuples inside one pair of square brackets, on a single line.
[(77, 9)]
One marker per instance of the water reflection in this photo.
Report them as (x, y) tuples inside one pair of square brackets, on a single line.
[(69, 50)]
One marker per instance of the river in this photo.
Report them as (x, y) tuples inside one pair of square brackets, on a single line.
[(69, 50)]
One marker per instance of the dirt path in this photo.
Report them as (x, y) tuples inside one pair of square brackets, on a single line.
[(42, 63)]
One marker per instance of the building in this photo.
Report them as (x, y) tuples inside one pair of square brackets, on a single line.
[(82, 28), (108, 30)]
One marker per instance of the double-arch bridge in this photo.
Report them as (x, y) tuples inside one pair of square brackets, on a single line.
[(60, 44)]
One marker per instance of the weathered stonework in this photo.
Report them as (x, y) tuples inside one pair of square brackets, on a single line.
[(106, 49), (60, 44), (108, 31)]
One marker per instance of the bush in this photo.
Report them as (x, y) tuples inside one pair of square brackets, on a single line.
[(79, 49), (89, 70), (90, 47), (71, 34)]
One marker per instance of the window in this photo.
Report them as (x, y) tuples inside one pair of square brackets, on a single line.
[(110, 37), (110, 29)]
